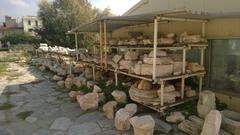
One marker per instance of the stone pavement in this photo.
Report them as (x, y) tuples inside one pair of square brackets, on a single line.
[(31, 105)]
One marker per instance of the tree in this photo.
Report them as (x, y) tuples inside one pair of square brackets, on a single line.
[(60, 16)]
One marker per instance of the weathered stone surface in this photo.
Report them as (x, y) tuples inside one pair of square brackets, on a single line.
[(196, 120), (190, 93), (177, 67), (82, 80), (160, 53), (206, 103), (31, 119), (88, 73), (212, 123), (127, 64), (166, 41), (162, 126), (191, 38), (108, 109), (69, 83), (61, 124), (97, 89), (73, 94), (61, 84), (122, 120), (90, 84), (131, 108), (119, 96), (98, 75), (169, 97), (88, 101), (88, 128), (42, 68), (131, 55), (146, 69), (175, 117), (117, 58), (145, 85), (57, 78), (195, 67), (78, 68), (159, 61), (169, 88), (143, 125), (189, 127), (223, 132), (231, 121)]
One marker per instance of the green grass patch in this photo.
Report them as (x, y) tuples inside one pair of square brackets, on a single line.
[(24, 115), (8, 93), (6, 106), (3, 68)]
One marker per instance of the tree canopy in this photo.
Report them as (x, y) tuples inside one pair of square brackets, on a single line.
[(60, 16)]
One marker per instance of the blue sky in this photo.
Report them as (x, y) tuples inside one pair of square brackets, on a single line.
[(19, 8)]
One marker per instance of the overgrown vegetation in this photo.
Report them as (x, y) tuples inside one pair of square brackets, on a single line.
[(188, 108), (3, 68), (19, 38), (60, 16), (220, 105), (24, 115), (6, 106)]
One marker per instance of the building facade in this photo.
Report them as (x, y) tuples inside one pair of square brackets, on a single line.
[(30, 23)]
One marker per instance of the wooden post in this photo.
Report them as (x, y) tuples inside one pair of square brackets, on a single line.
[(76, 43), (116, 78), (101, 49), (162, 92), (94, 73), (105, 44), (155, 47), (183, 72)]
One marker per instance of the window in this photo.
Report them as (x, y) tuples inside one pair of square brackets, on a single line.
[(224, 65), (36, 23), (29, 22)]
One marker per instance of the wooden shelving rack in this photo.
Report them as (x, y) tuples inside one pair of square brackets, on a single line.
[(104, 48)]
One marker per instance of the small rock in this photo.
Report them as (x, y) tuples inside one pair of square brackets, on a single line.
[(90, 84), (119, 96), (58, 133), (131, 108), (175, 117), (131, 55), (143, 125), (57, 78), (162, 126), (190, 93), (31, 119), (88, 101), (108, 109), (230, 121), (61, 124), (212, 123), (61, 84), (122, 120), (97, 89), (74, 94), (206, 103), (190, 127), (77, 83), (69, 83)]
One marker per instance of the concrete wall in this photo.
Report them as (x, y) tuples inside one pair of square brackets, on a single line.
[(29, 28)]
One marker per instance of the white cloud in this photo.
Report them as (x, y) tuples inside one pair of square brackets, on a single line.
[(21, 3), (118, 7)]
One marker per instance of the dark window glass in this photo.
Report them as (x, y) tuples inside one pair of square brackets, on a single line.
[(29, 22), (225, 65)]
